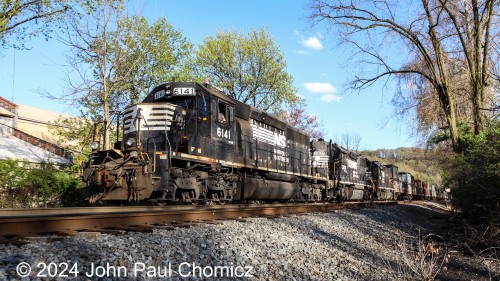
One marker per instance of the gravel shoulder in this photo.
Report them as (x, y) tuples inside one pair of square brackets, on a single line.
[(361, 244)]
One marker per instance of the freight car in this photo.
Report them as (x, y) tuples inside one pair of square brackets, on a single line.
[(415, 189), (418, 189), (189, 142)]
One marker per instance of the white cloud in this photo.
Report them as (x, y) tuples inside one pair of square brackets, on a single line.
[(320, 88), (312, 42), (326, 89), (330, 98)]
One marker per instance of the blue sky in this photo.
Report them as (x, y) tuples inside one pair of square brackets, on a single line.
[(314, 59)]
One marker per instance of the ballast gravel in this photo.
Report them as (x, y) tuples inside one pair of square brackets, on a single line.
[(340, 245)]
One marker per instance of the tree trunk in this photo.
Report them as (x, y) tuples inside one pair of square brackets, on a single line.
[(448, 104), (106, 141), (478, 103)]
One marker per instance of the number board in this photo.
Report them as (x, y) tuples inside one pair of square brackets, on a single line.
[(159, 94), (225, 134), (184, 92)]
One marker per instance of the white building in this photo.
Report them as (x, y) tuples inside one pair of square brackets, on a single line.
[(25, 134)]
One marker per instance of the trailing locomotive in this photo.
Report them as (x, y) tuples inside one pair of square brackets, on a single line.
[(189, 142), (354, 177)]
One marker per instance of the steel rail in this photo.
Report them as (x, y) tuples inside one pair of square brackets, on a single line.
[(70, 220)]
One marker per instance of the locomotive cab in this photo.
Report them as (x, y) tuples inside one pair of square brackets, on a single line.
[(184, 118)]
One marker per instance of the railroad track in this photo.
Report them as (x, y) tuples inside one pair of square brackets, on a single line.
[(68, 221)]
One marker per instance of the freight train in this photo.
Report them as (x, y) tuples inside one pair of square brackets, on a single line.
[(189, 142)]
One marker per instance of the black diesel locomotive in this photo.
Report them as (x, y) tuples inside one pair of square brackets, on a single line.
[(189, 142), (354, 177)]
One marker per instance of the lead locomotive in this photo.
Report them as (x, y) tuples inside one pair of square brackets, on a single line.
[(189, 142)]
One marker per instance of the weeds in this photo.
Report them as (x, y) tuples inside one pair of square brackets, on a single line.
[(25, 185), (484, 244), (419, 258)]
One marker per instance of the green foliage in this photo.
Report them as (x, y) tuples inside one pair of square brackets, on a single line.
[(467, 138), (11, 176), (157, 53), (439, 137), (69, 190), (77, 136), (26, 185), (474, 175), (248, 67)]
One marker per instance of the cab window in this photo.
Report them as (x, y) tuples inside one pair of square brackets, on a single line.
[(203, 106), (224, 113), (186, 103)]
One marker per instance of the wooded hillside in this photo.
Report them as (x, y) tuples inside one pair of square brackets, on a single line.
[(421, 163)]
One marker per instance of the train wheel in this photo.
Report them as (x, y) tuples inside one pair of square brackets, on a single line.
[(315, 198), (189, 197), (217, 197)]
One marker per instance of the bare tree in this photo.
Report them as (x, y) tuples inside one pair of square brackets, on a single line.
[(350, 141), (434, 34), (430, 119), (493, 103), (472, 23)]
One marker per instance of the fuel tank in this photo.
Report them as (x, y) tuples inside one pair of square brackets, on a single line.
[(264, 189)]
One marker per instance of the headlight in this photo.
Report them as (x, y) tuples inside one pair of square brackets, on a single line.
[(130, 142), (94, 145)]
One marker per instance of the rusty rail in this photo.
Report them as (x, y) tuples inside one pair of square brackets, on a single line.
[(71, 220)]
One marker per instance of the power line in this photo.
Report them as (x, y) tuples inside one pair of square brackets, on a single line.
[(13, 75)]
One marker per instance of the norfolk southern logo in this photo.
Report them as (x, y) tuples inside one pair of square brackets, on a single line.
[(279, 140), (263, 134)]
